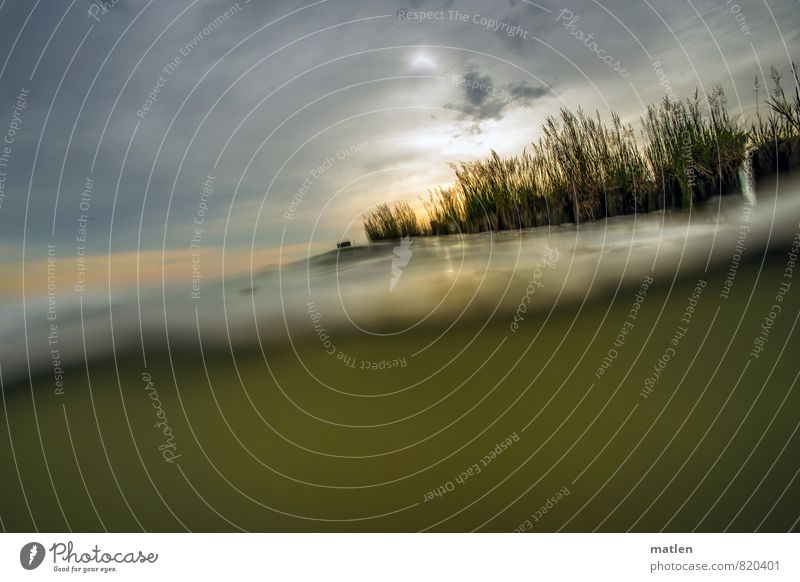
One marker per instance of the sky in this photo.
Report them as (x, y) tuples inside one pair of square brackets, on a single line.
[(148, 133)]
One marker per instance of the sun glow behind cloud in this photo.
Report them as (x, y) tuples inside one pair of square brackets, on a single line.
[(422, 62), (365, 80)]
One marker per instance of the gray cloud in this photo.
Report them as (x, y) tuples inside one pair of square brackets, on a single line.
[(431, 4), (293, 93), (482, 98)]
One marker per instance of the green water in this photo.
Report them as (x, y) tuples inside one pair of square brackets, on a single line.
[(264, 447)]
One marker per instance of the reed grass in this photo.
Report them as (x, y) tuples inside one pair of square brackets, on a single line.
[(783, 112), (584, 169), (693, 156), (392, 221)]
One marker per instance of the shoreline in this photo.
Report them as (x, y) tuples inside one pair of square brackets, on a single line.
[(584, 168)]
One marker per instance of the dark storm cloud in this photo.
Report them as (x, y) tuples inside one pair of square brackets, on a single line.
[(484, 99), (522, 92)]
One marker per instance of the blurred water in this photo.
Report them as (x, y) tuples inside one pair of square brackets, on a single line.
[(389, 288)]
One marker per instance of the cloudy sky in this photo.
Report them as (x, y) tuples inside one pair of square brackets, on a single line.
[(298, 116)]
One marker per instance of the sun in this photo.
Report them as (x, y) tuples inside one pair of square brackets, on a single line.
[(422, 62)]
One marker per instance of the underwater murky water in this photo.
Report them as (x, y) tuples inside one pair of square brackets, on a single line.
[(450, 383)]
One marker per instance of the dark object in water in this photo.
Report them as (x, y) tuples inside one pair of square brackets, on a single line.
[(344, 244), (249, 291)]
